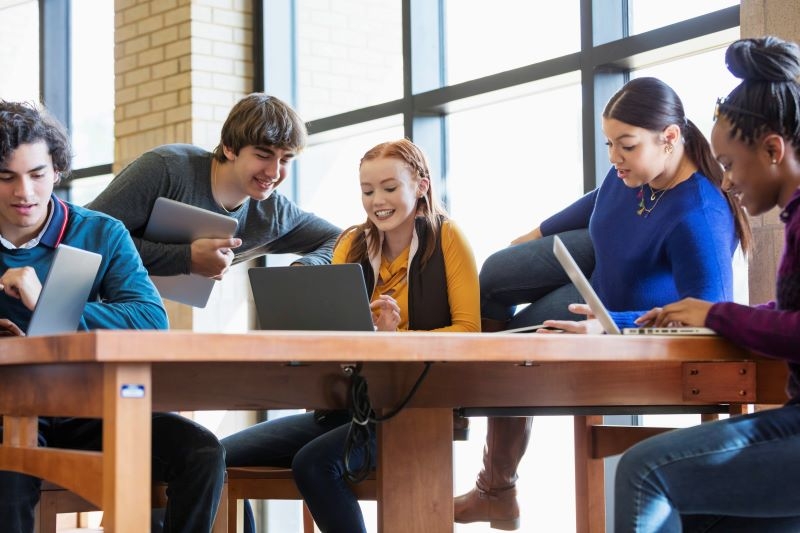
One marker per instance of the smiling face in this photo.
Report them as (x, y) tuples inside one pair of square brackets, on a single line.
[(389, 193), (259, 170), (749, 173), (27, 178), (638, 155)]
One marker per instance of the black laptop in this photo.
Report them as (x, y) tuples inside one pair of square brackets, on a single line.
[(320, 297)]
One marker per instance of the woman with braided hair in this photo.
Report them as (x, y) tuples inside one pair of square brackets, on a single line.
[(738, 474)]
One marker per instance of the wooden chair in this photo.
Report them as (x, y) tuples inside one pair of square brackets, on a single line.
[(54, 500), (272, 483)]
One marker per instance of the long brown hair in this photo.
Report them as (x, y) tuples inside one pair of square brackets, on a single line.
[(429, 209)]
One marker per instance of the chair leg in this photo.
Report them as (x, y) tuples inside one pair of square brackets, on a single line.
[(308, 520), (221, 520)]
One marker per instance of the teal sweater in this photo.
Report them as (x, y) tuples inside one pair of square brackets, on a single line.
[(122, 296)]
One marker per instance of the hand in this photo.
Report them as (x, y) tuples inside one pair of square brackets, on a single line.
[(589, 326), (212, 258), (9, 329), (385, 313), (23, 284), (532, 235), (687, 312)]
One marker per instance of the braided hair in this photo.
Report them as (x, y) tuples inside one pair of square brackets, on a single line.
[(768, 98)]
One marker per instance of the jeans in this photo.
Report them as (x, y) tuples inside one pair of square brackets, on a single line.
[(186, 456), (529, 273), (313, 447), (734, 475)]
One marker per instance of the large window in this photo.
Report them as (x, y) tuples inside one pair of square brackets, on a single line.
[(505, 98), (19, 50)]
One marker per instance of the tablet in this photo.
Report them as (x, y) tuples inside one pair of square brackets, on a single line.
[(174, 222)]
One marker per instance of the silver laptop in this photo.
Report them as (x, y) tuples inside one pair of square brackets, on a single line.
[(174, 222), (64, 291), (320, 297), (600, 311)]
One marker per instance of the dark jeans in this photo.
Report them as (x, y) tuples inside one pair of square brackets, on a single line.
[(186, 456), (314, 449), (737, 475), (529, 273)]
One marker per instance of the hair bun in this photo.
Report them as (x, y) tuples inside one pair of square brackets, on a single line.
[(767, 59)]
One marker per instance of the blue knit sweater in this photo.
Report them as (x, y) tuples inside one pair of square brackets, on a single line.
[(684, 247)]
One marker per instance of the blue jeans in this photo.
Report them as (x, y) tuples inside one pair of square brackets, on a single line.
[(314, 449), (735, 475), (186, 456), (529, 273)]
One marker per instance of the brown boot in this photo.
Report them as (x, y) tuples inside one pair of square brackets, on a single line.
[(494, 498)]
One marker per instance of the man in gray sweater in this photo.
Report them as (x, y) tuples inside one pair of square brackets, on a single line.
[(259, 140)]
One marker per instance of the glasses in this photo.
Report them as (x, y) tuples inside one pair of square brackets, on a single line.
[(721, 105)]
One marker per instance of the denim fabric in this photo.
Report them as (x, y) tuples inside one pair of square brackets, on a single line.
[(186, 456), (280, 442), (529, 273), (734, 475)]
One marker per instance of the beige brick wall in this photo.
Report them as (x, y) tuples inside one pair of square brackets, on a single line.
[(780, 18), (180, 65)]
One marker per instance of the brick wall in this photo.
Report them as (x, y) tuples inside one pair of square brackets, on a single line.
[(180, 65), (780, 18)]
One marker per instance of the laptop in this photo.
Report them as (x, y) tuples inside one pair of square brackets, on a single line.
[(173, 222), (319, 297), (600, 311), (64, 292)]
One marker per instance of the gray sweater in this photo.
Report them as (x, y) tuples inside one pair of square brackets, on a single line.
[(182, 172)]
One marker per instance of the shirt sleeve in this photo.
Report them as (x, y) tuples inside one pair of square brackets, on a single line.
[(127, 298), (574, 216), (764, 329), (463, 289), (129, 198), (310, 236)]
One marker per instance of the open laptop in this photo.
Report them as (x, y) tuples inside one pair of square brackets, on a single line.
[(600, 311), (319, 297), (174, 222), (64, 291)]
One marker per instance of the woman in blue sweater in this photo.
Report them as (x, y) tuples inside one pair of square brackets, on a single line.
[(661, 229)]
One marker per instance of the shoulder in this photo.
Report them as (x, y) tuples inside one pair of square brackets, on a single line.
[(452, 235), (86, 216)]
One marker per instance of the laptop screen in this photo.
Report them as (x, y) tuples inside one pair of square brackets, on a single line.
[(319, 297)]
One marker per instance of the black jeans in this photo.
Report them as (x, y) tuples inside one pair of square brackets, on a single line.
[(186, 456)]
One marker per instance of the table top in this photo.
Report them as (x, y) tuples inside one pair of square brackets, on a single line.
[(318, 346)]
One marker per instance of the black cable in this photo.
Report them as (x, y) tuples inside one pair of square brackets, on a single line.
[(364, 420)]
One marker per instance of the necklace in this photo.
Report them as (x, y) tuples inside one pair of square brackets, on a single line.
[(655, 195), (214, 167)]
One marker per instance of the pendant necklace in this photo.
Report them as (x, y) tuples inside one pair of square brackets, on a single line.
[(655, 195)]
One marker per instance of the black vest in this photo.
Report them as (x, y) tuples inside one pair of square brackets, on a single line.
[(428, 304)]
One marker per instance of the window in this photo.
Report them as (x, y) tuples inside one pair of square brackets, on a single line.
[(506, 102), (19, 50), (92, 78)]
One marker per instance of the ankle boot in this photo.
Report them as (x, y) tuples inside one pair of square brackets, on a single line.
[(494, 498)]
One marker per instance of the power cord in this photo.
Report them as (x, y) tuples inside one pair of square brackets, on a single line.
[(359, 435)]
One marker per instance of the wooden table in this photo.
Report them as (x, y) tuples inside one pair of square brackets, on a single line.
[(122, 376)]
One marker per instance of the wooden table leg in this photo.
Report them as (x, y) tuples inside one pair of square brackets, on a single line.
[(415, 472), (589, 480), (127, 427)]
